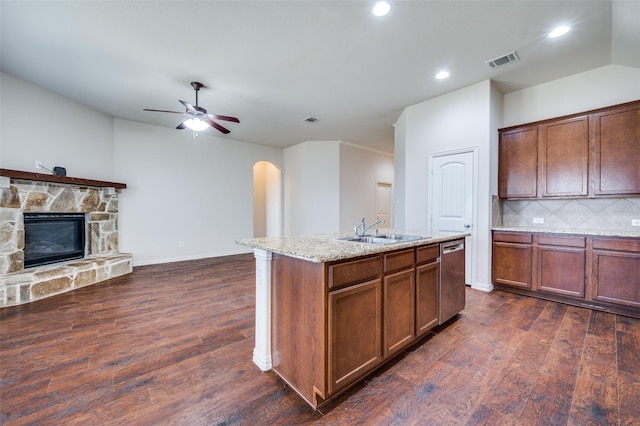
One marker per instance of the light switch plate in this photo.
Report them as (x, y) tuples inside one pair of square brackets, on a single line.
[(635, 222), (538, 220)]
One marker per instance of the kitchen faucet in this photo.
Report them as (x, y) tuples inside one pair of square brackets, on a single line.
[(364, 228)]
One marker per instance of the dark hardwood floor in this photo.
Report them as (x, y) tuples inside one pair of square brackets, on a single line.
[(172, 344)]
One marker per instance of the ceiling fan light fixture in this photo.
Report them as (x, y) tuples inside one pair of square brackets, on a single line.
[(558, 31), (381, 8), (196, 124)]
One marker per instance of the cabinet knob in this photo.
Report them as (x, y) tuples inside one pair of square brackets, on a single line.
[(467, 226)]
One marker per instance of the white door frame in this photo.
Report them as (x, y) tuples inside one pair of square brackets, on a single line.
[(473, 252)]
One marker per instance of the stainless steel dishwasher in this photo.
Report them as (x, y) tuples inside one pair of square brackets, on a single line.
[(452, 286)]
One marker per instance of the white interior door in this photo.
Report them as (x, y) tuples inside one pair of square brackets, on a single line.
[(383, 204), (452, 198)]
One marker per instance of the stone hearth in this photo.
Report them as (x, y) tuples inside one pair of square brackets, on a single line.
[(98, 200)]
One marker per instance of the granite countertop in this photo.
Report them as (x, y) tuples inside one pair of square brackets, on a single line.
[(327, 247), (570, 231)]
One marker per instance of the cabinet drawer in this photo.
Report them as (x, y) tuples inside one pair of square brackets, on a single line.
[(618, 244), (513, 237), (397, 260), (427, 253), (355, 271), (557, 240)]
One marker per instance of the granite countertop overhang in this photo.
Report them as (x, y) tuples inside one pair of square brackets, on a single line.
[(327, 247), (592, 233)]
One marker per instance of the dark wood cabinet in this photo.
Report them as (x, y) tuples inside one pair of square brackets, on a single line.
[(616, 270), (333, 323), (589, 154), (399, 301), (427, 288), (561, 264), (512, 254), (518, 163), (595, 272), (355, 321), (399, 311), (616, 151), (563, 157)]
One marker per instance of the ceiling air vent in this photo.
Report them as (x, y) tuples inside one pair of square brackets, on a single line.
[(503, 60)]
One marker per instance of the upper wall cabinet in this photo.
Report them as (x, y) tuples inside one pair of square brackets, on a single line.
[(563, 156), (555, 158), (616, 151), (518, 163)]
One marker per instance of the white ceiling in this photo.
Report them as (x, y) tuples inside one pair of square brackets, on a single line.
[(274, 63)]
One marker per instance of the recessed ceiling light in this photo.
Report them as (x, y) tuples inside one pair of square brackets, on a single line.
[(558, 31), (381, 8), (442, 74)]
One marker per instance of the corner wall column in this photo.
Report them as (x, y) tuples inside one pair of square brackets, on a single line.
[(262, 349)]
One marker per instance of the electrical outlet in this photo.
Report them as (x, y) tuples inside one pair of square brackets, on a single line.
[(538, 220), (181, 244), (635, 222)]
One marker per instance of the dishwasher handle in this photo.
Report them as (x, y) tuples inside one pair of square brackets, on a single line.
[(451, 249)]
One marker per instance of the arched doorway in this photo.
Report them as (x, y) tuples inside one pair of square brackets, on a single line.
[(267, 200)]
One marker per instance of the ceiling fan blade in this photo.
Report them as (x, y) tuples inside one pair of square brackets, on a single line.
[(162, 110), (181, 126), (223, 117), (190, 108), (217, 126)]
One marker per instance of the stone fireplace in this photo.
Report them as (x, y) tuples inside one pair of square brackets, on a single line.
[(23, 192)]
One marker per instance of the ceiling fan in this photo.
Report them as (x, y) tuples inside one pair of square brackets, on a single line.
[(199, 119)]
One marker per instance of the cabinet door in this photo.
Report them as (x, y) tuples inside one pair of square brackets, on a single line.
[(617, 277), (616, 138), (518, 163), (512, 264), (427, 289), (616, 270), (398, 311), (355, 330), (563, 156), (561, 270)]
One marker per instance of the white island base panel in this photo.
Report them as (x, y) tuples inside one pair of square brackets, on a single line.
[(262, 350)]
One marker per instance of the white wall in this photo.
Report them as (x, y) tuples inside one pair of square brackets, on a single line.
[(198, 192), (460, 119), (312, 188), (178, 190), (400, 172), (65, 132), (597, 88), (360, 171)]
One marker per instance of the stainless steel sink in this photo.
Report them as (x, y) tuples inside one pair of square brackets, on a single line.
[(382, 239)]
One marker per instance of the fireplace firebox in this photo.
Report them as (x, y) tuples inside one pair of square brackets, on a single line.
[(53, 237)]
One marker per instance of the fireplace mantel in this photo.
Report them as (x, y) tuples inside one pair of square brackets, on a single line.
[(41, 177)]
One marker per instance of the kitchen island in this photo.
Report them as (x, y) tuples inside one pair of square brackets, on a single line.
[(330, 311)]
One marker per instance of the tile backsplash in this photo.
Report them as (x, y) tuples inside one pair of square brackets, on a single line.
[(593, 214)]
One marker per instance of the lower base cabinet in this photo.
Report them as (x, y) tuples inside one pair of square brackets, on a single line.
[(595, 272), (561, 265), (399, 311), (334, 323), (355, 321), (616, 271), (513, 253)]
